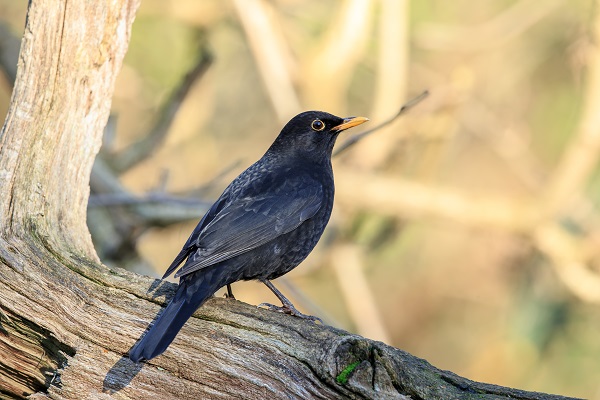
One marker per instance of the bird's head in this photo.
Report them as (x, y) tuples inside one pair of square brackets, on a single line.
[(313, 134)]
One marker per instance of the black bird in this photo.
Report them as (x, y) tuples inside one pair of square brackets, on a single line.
[(264, 224)]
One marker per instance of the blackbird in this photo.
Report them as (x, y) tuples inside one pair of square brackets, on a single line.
[(263, 225)]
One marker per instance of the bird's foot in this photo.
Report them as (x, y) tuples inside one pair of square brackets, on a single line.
[(229, 294), (290, 310)]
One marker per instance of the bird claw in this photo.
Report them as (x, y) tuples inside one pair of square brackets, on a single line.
[(290, 310), (229, 294)]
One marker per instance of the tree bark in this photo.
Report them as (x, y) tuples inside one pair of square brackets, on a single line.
[(66, 321)]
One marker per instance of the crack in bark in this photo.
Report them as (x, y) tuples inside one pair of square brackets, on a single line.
[(20, 368)]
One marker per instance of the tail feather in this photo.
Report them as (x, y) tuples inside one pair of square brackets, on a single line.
[(168, 324)]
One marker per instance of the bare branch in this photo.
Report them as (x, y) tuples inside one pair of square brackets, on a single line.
[(403, 110), (271, 56), (140, 150)]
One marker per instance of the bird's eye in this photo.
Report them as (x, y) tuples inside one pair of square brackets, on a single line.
[(317, 125)]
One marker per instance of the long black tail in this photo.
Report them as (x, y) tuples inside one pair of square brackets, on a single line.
[(178, 311)]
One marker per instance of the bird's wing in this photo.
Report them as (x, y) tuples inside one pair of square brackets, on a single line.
[(190, 244), (249, 222)]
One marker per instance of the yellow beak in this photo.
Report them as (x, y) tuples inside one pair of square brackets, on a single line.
[(349, 123)]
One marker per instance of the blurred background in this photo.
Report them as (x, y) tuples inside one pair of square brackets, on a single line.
[(467, 232)]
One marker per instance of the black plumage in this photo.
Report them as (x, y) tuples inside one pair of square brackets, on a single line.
[(263, 225)]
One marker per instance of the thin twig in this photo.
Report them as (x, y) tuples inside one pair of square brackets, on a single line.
[(336, 54), (582, 154), (142, 149), (348, 264), (271, 54), (403, 110), (390, 79)]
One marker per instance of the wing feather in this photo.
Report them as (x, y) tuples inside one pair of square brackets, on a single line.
[(249, 222)]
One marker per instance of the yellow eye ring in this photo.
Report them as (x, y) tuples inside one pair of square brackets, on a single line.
[(317, 125)]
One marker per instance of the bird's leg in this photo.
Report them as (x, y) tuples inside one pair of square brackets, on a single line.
[(229, 294), (288, 307)]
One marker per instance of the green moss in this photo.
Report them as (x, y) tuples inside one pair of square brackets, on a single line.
[(342, 378)]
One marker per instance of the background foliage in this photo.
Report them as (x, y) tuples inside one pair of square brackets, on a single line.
[(467, 233)]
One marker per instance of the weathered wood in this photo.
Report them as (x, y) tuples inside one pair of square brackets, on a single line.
[(85, 317), (67, 320), (70, 54)]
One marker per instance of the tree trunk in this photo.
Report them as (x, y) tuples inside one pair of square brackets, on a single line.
[(66, 320)]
